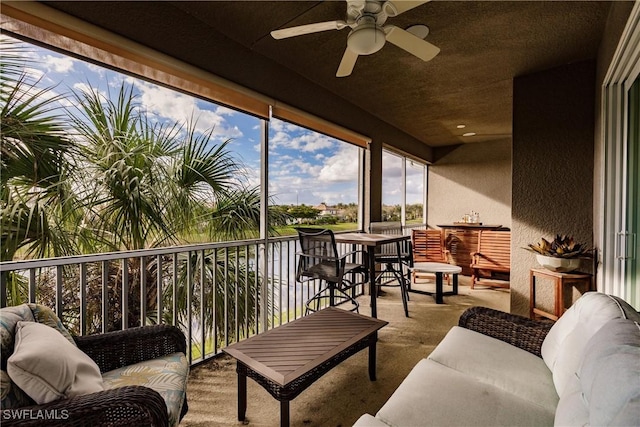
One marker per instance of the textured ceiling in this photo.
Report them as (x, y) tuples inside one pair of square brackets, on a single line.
[(391, 93)]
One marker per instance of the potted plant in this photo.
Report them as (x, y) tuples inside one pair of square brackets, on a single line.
[(562, 254)]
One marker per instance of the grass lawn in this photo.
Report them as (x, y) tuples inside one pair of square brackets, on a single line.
[(290, 230)]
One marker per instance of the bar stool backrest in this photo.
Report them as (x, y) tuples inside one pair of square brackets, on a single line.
[(319, 258)]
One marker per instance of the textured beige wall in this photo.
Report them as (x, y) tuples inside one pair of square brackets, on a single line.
[(553, 162), (472, 177)]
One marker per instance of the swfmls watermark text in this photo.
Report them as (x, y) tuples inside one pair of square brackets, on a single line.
[(35, 414)]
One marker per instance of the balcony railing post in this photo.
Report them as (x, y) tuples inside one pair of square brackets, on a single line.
[(159, 276), (83, 298), (174, 291), (143, 291), (263, 267), (3, 288), (214, 300), (125, 293), (237, 294), (105, 296), (32, 285), (257, 290), (189, 285), (247, 291), (202, 303), (226, 296), (59, 304), (264, 292)]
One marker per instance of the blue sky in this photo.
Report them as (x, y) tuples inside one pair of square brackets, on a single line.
[(305, 166)]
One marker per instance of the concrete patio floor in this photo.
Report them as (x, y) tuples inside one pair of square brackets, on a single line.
[(345, 393)]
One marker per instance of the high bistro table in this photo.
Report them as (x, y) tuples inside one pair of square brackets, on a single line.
[(288, 359), (370, 242), (439, 269)]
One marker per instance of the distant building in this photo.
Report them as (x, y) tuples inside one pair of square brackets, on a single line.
[(326, 210)]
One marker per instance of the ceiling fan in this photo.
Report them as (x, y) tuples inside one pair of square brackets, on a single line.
[(368, 35)]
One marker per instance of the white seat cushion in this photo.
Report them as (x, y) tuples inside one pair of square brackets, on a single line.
[(368, 420), (497, 363), (436, 395)]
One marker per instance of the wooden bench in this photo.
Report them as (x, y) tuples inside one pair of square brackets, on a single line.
[(428, 246), (493, 256)]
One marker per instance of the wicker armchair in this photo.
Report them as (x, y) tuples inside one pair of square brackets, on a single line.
[(516, 330), (134, 406)]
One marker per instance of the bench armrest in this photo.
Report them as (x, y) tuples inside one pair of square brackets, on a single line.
[(113, 350), (130, 406), (519, 331)]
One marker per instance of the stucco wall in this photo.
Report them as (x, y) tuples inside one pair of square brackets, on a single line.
[(553, 163), (472, 177)]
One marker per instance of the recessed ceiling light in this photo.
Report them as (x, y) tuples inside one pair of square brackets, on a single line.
[(461, 126), (469, 134)]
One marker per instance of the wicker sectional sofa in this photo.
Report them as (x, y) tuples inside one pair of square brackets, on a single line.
[(499, 369)]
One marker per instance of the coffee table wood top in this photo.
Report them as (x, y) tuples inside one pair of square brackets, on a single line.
[(287, 352)]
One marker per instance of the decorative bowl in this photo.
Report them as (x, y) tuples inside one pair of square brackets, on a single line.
[(561, 265)]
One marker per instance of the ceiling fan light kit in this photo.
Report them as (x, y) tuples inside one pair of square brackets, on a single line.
[(366, 39), (368, 36)]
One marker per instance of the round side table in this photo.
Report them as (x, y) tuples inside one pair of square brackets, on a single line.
[(439, 269)]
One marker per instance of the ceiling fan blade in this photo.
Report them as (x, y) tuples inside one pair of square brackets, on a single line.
[(308, 29), (412, 44), (348, 62), (396, 7)]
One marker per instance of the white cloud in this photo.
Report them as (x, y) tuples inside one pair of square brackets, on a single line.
[(293, 137), (34, 74), (225, 111), (59, 64), (85, 88), (341, 167), (277, 125), (182, 108), (117, 80), (414, 184), (307, 142)]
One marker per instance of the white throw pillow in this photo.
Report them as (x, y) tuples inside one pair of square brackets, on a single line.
[(47, 367)]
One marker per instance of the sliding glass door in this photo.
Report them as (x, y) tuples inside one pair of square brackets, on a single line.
[(619, 269), (632, 239)]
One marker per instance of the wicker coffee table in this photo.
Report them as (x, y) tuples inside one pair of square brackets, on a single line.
[(288, 359)]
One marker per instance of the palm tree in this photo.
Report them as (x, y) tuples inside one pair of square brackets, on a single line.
[(36, 200), (148, 185), (116, 180), (36, 168)]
